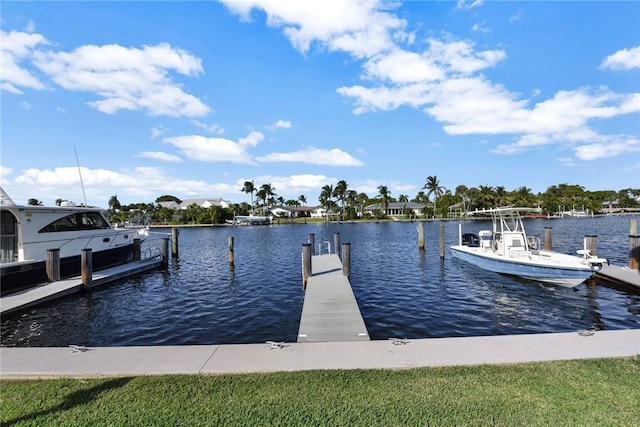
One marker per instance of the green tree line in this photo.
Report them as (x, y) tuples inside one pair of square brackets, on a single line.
[(344, 203)]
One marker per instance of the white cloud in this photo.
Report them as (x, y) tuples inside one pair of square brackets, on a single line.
[(358, 27), (468, 4), (280, 124), (294, 185), (215, 150), (401, 66), (159, 155), (213, 128), (157, 131), (132, 186), (16, 47), (611, 148), (127, 78), (481, 27), (515, 18), (567, 161), (625, 59), (315, 156)]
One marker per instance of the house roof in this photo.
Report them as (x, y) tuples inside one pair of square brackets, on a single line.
[(216, 201), (395, 205)]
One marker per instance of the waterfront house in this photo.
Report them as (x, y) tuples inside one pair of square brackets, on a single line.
[(396, 208)]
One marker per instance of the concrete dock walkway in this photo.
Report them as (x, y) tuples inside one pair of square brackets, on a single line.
[(80, 362), (50, 291), (620, 275), (330, 311)]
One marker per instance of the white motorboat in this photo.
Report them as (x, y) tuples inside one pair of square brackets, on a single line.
[(507, 249), (29, 232), (251, 220)]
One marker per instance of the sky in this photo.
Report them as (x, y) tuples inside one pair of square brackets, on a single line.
[(143, 99)]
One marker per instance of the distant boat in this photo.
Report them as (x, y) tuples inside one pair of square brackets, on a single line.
[(507, 249), (28, 232), (251, 220)]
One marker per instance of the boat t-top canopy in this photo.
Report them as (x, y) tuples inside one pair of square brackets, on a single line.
[(506, 219)]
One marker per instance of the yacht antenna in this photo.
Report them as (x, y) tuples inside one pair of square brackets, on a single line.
[(80, 173)]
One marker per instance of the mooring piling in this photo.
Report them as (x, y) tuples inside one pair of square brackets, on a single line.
[(336, 242), (312, 241), (306, 263), (548, 245), (137, 249), (86, 272), (174, 242), (591, 244), (231, 256), (164, 249), (421, 236), (441, 241), (634, 245), (346, 259), (53, 264)]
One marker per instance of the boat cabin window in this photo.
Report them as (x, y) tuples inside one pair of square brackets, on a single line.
[(77, 221)]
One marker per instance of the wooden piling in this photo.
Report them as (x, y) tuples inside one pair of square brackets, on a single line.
[(346, 259), (306, 263), (591, 244), (137, 249), (312, 242), (548, 245), (53, 265), (336, 243), (421, 236), (165, 252), (231, 257), (441, 241), (634, 245), (174, 242), (86, 266)]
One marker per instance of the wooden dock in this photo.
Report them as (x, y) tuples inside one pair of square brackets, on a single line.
[(50, 291), (624, 276), (330, 311)]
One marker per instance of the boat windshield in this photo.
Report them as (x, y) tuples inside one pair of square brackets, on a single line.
[(77, 221)]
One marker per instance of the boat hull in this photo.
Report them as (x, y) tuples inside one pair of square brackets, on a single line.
[(533, 267), (17, 276)]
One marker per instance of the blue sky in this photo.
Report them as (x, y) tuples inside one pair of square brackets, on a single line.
[(193, 99)]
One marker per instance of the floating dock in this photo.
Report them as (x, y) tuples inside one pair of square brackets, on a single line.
[(330, 311), (50, 291)]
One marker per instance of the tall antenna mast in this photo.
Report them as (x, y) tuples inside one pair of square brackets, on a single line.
[(80, 173)]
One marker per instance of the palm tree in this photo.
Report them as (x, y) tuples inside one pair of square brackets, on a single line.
[(384, 193), (114, 203), (302, 199), (361, 201), (523, 196), (268, 193), (325, 196), (34, 202), (249, 188), (487, 196), (433, 187), (500, 195), (339, 192)]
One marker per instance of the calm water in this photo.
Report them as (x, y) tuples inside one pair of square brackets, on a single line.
[(401, 291)]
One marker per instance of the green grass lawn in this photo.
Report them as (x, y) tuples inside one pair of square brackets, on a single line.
[(573, 393)]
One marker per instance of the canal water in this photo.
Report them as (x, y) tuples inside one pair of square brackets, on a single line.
[(402, 292)]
